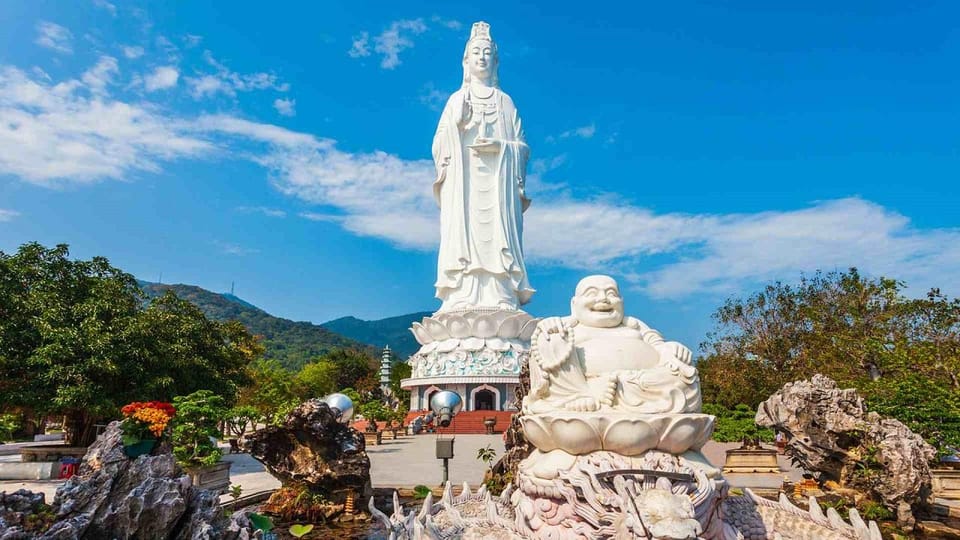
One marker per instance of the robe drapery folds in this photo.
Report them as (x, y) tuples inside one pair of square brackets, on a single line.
[(481, 251)]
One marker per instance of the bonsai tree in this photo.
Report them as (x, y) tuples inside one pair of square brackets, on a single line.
[(195, 428), (375, 411)]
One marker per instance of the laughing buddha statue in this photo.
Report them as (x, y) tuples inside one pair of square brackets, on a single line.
[(598, 360)]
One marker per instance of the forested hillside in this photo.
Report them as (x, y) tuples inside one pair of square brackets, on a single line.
[(291, 343)]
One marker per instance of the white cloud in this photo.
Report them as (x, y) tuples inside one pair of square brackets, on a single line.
[(100, 75), (229, 82), (56, 133), (452, 24), (132, 51), (286, 107), (360, 46), (161, 78), (8, 215), (396, 39), (190, 40), (103, 4), (173, 53), (53, 36), (433, 97), (266, 211), (583, 132), (724, 253), (229, 248), (63, 132), (389, 43)]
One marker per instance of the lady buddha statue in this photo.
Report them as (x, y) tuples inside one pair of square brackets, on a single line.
[(481, 162)]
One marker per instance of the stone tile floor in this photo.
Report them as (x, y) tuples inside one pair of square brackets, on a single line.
[(405, 462)]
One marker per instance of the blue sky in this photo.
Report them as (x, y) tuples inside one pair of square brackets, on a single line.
[(694, 150)]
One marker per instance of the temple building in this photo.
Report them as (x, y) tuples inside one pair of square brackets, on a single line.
[(484, 371)]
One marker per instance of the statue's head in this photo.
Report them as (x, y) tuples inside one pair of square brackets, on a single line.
[(597, 302), (480, 56)]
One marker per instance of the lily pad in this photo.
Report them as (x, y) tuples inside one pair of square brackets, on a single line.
[(300, 531), (261, 522)]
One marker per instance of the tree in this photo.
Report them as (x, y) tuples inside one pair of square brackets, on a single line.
[(270, 389), (862, 332), (76, 339), (398, 372), (316, 379)]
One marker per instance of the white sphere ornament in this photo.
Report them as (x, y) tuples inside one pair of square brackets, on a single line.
[(341, 405)]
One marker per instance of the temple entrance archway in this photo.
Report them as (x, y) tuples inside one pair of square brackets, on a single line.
[(484, 400)]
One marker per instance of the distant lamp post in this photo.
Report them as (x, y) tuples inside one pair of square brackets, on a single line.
[(445, 405), (341, 405)]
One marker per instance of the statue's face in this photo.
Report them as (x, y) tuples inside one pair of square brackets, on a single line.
[(598, 302), (480, 59)]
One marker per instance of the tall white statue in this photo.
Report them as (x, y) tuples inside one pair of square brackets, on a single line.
[(481, 161)]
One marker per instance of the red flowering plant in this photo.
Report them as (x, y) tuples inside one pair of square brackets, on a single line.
[(145, 420)]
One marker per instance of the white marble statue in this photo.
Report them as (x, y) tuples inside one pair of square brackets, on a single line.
[(597, 359), (481, 162)]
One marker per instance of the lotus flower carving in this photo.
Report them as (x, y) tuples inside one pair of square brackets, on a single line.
[(580, 433)]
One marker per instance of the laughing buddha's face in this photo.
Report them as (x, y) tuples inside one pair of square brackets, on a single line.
[(598, 302)]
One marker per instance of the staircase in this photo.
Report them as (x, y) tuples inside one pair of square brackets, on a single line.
[(470, 422)]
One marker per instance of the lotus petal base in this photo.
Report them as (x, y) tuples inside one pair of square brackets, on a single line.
[(626, 434)]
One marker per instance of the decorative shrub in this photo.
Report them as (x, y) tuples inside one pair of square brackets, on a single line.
[(196, 428)]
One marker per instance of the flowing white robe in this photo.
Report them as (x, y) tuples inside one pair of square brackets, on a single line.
[(481, 207)]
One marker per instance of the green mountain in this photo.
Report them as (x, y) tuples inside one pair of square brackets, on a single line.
[(291, 343), (393, 331)]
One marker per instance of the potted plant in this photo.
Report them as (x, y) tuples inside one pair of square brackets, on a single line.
[(194, 439), (144, 423)]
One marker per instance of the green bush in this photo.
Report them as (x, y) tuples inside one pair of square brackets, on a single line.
[(196, 426), (736, 424), (9, 424)]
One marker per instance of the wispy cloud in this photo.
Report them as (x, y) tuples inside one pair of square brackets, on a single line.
[(230, 82), (54, 37), (132, 52), (163, 77), (286, 107), (59, 132), (397, 38), (360, 47), (100, 75), (230, 248), (432, 97), (8, 215), (452, 24), (582, 132), (263, 210), (106, 6), (190, 40)]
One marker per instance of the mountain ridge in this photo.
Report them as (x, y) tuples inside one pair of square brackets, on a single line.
[(295, 343)]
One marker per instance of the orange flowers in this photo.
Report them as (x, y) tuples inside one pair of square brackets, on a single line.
[(143, 418)]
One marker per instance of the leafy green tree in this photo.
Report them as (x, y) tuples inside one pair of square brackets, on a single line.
[(270, 389), (902, 354), (316, 379), (398, 372), (76, 339)]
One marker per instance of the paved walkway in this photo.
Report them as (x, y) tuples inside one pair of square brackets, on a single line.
[(402, 463)]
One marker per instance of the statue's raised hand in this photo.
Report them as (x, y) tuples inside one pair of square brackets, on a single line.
[(553, 344)]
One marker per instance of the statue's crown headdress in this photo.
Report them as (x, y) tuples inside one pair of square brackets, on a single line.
[(480, 30)]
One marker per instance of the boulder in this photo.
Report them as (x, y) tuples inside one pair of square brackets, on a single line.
[(313, 449), (831, 433), (113, 496)]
